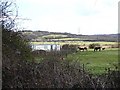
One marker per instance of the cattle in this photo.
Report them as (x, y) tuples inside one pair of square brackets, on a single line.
[(103, 48), (85, 48), (97, 48), (82, 48)]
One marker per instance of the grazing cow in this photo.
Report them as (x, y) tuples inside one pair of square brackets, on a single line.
[(85, 48), (82, 48), (97, 48), (103, 48)]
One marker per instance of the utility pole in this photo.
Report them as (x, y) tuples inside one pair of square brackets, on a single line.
[(78, 34), (78, 30)]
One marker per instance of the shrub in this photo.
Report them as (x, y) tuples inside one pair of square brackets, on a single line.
[(115, 46), (91, 46), (69, 47)]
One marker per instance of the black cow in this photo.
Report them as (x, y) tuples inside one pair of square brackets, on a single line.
[(84, 48), (97, 48), (103, 48)]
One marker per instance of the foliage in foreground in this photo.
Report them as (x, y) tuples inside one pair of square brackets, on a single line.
[(54, 73), (14, 41)]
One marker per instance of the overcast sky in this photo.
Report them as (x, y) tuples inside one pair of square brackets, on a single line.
[(72, 16)]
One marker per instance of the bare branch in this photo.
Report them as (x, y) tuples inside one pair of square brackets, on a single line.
[(7, 15)]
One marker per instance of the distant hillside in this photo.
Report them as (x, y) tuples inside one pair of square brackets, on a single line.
[(57, 36)]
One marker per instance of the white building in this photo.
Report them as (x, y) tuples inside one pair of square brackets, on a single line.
[(46, 47)]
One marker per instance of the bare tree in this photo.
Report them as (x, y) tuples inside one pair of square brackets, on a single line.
[(8, 14)]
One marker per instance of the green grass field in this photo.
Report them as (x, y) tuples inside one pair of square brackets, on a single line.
[(96, 62), (54, 36), (66, 39)]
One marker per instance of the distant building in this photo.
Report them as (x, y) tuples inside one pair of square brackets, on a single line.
[(46, 47)]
